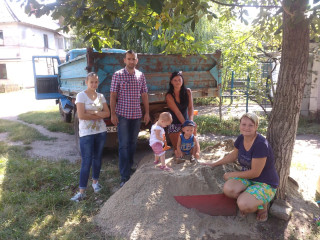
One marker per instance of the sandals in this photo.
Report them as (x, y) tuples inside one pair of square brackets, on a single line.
[(262, 215), (156, 162), (165, 168)]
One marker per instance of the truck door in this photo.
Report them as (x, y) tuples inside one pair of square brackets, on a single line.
[(46, 77)]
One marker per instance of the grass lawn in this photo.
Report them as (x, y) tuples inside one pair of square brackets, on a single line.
[(35, 193), (34, 198), (49, 119)]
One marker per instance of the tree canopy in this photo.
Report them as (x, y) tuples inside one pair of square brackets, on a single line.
[(101, 21)]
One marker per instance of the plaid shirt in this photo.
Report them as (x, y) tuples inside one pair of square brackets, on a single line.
[(129, 89)]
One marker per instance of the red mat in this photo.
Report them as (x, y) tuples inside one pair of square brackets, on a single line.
[(213, 204)]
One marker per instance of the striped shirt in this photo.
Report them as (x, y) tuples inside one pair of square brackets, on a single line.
[(129, 88)]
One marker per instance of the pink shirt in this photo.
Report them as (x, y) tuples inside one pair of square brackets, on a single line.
[(129, 88)]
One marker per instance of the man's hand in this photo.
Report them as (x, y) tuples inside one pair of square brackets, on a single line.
[(146, 118), (114, 119)]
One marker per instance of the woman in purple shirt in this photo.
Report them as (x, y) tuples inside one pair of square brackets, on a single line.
[(256, 185)]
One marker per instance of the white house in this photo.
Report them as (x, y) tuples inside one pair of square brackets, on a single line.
[(310, 106), (22, 37)]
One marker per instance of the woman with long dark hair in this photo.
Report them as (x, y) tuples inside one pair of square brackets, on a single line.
[(180, 103)]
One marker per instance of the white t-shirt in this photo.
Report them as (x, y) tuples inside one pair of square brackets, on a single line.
[(153, 139), (89, 127)]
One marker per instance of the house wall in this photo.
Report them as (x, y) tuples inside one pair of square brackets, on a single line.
[(21, 42), (310, 106)]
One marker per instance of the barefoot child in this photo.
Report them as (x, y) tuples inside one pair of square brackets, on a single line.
[(157, 139), (187, 145)]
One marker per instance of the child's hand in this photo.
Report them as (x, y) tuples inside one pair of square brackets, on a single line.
[(164, 137), (179, 154)]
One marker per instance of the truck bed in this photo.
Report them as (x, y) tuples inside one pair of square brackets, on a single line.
[(201, 73)]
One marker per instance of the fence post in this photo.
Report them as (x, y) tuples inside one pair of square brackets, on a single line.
[(247, 93), (231, 90)]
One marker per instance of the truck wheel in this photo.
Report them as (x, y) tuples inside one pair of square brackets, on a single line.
[(76, 130), (66, 117)]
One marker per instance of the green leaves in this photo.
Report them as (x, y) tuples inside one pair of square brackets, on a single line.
[(96, 44), (142, 3), (156, 5), (193, 25)]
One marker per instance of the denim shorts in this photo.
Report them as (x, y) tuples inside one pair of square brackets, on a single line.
[(261, 191)]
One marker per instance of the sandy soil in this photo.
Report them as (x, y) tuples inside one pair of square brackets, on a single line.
[(145, 208)]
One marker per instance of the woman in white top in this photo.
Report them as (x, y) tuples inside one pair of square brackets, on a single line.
[(92, 109)]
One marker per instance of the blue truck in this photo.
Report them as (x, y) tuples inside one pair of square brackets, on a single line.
[(62, 81)]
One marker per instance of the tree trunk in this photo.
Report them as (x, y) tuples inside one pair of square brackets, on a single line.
[(284, 117)]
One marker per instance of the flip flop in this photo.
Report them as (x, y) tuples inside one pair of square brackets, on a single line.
[(156, 162), (261, 213)]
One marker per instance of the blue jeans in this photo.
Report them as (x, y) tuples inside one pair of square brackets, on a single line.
[(91, 147), (128, 130)]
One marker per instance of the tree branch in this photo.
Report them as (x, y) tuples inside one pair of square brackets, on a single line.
[(287, 11), (243, 5)]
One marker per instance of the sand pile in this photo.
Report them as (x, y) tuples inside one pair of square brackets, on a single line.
[(145, 208)]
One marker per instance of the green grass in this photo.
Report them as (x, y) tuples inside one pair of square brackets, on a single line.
[(50, 119), (34, 198), (227, 127), (205, 144), (226, 101), (20, 132), (230, 127), (206, 101), (308, 127), (34, 194)]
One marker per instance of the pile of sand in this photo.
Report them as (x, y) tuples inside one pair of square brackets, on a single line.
[(145, 208)]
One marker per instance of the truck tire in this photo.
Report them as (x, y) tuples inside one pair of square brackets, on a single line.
[(66, 117), (76, 131)]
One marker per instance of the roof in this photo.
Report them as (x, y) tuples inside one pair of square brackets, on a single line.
[(11, 12)]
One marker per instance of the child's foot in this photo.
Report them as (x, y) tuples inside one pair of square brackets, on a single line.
[(165, 168), (156, 162)]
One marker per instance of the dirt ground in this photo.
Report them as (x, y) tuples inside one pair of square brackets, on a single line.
[(145, 208)]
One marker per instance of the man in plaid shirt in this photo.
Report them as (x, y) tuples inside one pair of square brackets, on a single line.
[(127, 86)]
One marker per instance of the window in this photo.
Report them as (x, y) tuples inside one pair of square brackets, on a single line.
[(3, 71), (60, 43), (45, 40), (1, 38)]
